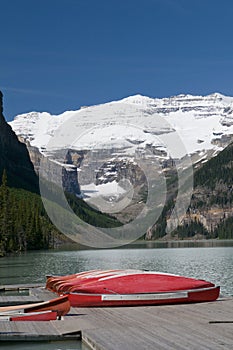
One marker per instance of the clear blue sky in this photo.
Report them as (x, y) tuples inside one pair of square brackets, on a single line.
[(58, 55)]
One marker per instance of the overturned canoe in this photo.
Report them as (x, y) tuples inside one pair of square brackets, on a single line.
[(131, 287), (60, 305), (53, 280), (61, 284), (34, 316), (92, 279), (143, 299), (135, 281)]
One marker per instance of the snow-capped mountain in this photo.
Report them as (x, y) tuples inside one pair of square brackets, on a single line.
[(167, 128), (201, 122)]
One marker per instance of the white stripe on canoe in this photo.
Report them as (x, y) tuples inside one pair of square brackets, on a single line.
[(136, 272), (153, 296), (98, 273), (111, 273), (156, 296), (107, 274)]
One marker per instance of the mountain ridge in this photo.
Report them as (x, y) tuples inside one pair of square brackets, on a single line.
[(211, 117)]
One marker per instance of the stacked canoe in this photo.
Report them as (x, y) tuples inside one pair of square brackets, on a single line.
[(130, 288)]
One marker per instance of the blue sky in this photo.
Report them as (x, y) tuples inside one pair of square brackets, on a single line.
[(58, 55)]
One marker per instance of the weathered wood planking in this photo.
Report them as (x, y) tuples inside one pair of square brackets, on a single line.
[(201, 326), (32, 331), (19, 286), (37, 293), (155, 327), (17, 300), (162, 327)]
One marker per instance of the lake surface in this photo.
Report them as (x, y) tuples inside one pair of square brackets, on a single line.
[(211, 263)]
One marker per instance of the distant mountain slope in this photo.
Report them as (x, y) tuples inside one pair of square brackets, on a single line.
[(210, 213), (14, 158), (213, 194), (25, 225), (216, 171)]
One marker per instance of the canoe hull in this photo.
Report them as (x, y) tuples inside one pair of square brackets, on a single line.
[(143, 299), (53, 280), (100, 288), (36, 316), (125, 282), (65, 283), (143, 282), (61, 305)]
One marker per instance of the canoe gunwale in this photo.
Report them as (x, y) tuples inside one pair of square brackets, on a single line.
[(144, 299), (155, 295)]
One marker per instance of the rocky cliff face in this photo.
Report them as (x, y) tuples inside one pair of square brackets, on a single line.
[(61, 174), (14, 157), (56, 165)]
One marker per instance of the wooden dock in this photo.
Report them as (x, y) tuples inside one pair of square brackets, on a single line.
[(200, 326)]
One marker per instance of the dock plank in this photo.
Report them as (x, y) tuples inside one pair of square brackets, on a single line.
[(32, 331), (174, 326), (19, 286), (170, 327), (17, 300)]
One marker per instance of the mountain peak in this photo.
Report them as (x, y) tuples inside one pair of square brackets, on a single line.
[(217, 95), (137, 99)]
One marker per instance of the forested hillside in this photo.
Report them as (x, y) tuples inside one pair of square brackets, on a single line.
[(210, 214), (24, 223)]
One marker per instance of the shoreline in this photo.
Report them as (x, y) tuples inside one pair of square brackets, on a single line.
[(186, 240), (185, 243)]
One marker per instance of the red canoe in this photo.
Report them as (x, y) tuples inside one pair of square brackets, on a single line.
[(134, 281), (35, 316), (143, 299), (52, 280), (61, 284), (134, 287), (60, 305), (131, 287), (72, 284)]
